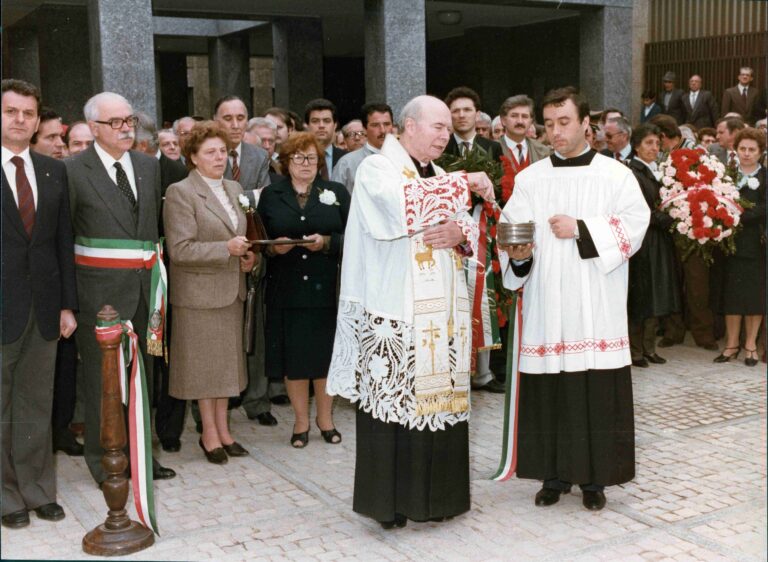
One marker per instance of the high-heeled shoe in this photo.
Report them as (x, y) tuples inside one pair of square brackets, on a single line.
[(300, 440), (723, 358), (217, 456), (331, 436), (750, 361)]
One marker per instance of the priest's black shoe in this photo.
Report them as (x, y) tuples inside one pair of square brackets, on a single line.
[(493, 386), (594, 501), (159, 472), (548, 496), (265, 418), (16, 520), (655, 359), (280, 400), (640, 362), (64, 441), (668, 342), (50, 512), (398, 522), (171, 445)]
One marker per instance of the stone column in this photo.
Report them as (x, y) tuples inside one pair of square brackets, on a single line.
[(605, 69), (122, 50), (395, 51), (297, 46), (640, 35), (228, 68), (21, 58)]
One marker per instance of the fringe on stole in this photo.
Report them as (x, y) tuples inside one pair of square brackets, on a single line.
[(450, 401)]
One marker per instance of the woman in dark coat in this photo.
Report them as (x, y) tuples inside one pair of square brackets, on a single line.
[(653, 283), (743, 284), (301, 282)]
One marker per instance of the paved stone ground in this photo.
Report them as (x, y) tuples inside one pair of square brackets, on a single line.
[(699, 494)]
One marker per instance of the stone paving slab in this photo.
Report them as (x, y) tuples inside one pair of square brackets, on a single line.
[(699, 493)]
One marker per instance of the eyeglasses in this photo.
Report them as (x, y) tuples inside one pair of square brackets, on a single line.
[(304, 158), (356, 134), (117, 122)]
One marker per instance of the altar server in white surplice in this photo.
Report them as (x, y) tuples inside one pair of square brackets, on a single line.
[(404, 333), (575, 421)]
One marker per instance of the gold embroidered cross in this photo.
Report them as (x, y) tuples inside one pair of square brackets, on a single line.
[(433, 334), (410, 174)]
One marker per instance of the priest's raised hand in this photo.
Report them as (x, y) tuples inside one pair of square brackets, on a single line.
[(480, 183)]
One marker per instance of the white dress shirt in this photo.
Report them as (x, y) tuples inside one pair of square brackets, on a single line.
[(512, 145), (694, 95), (10, 172), (125, 162), (460, 142)]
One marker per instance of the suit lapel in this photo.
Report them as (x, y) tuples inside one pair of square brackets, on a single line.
[(232, 190), (212, 202), (288, 196), (11, 209), (42, 177), (144, 189), (314, 196), (107, 190)]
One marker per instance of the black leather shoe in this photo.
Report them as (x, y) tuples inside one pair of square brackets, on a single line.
[(266, 418), (159, 472), (171, 445), (398, 522), (50, 512), (640, 363), (667, 342), (493, 386), (655, 359), (65, 442), (16, 520), (235, 450), (710, 346), (750, 361), (548, 496), (217, 456), (280, 400), (594, 501), (723, 358)]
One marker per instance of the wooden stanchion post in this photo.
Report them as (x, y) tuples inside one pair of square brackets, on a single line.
[(118, 535)]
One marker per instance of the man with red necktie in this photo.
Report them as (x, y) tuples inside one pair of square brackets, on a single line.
[(39, 297)]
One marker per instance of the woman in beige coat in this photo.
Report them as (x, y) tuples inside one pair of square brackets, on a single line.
[(204, 229)]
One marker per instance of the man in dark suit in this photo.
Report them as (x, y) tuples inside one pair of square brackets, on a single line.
[(700, 107), (727, 129), (39, 297), (617, 135), (321, 120), (743, 98), (115, 195), (671, 98), (650, 108)]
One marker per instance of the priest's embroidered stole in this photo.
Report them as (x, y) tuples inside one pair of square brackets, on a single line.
[(442, 330)]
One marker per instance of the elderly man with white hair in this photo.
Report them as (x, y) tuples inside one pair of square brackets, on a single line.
[(115, 203), (403, 337)]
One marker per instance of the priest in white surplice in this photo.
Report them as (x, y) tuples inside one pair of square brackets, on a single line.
[(575, 421), (404, 333)]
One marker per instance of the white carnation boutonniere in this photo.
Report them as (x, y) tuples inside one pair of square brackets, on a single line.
[(245, 203), (328, 197), (753, 183)]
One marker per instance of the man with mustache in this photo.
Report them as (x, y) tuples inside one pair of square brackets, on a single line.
[(115, 195), (377, 121)]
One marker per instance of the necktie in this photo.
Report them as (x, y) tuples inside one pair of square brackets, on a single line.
[(744, 96), (24, 192), (235, 167), (732, 160), (519, 153), (124, 185), (693, 99), (617, 156), (467, 147)]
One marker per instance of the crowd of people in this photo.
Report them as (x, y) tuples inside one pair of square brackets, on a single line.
[(301, 250)]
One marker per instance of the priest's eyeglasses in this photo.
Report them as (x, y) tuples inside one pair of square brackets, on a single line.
[(303, 158), (117, 122)]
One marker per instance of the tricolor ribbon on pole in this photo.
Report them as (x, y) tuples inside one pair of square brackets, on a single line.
[(133, 392), (508, 463), (132, 254)]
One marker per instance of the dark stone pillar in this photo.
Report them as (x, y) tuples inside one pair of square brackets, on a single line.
[(228, 68), (297, 45)]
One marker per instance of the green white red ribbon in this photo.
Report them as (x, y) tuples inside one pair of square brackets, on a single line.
[(508, 463), (133, 392), (112, 253)]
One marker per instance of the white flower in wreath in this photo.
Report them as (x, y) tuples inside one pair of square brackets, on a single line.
[(666, 180), (328, 197), (670, 171), (658, 174), (753, 183), (245, 203)]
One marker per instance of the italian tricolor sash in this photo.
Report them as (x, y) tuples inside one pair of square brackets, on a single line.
[(133, 391), (508, 463), (132, 254)]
